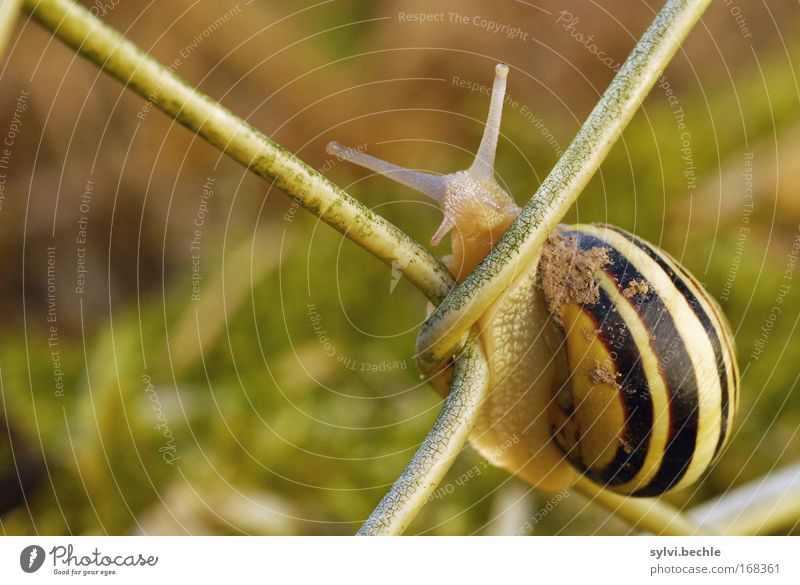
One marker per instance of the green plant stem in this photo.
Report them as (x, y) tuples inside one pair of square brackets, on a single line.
[(99, 43), (9, 11), (761, 506), (644, 513), (520, 247), (436, 454)]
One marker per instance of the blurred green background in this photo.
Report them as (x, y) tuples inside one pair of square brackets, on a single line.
[(233, 365)]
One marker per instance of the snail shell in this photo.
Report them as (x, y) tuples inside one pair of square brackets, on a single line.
[(620, 364)]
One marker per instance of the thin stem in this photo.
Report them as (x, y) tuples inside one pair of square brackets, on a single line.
[(645, 513), (521, 245), (436, 454), (121, 59), (9, 11), (758, 507)]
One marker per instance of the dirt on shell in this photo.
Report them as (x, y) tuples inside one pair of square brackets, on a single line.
[(636, 287), (566, 273)]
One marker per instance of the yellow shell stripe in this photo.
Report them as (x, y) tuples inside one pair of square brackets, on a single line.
[(693, 335), (723, 333), (591, 424), (659, 395), (710, 306)]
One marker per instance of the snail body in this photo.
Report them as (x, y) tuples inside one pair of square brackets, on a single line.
[(607, 358)]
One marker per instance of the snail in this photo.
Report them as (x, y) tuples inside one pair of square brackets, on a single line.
[(608, 360)]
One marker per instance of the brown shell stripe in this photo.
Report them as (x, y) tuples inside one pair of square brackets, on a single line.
[(691, 289), (679, 376)]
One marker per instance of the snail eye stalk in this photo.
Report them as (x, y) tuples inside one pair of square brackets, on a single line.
[(471, 199), (434, 186), (483, 167)]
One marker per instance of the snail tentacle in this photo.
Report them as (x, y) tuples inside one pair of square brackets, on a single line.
[(483, 166), (429, 184), (471, 199)]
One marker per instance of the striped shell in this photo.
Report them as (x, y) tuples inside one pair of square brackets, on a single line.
[(652, 387)]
